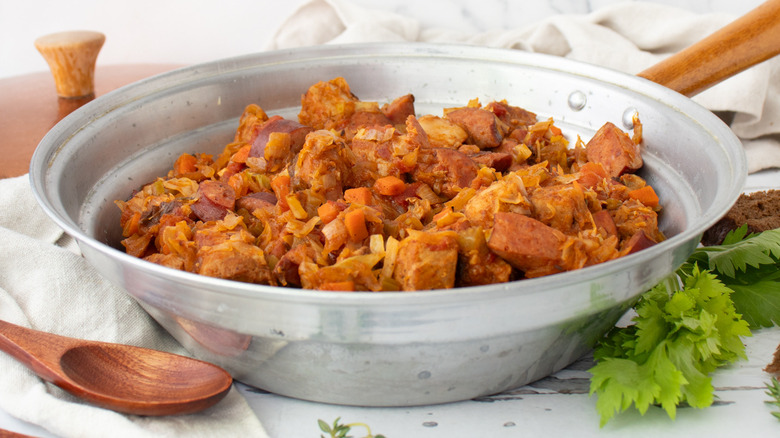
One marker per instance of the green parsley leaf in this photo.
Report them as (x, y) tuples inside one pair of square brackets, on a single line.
[(680, 335), (750, 266)]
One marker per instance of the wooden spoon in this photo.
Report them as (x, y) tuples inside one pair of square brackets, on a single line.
[(123, 378)]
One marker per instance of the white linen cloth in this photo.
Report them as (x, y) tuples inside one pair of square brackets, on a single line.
[(46, 285), (628, 37)]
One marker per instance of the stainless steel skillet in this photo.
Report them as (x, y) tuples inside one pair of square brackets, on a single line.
[(389, 349)]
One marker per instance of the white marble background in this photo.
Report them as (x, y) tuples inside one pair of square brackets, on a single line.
[(191, 31)]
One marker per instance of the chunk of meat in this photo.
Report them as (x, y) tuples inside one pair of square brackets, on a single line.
[(365, 120), (172, 261), (256, 200), (511, 115), (154, 214), (443, 133), (603, 221), (322, 165), (215, 198), (637, 242), (427, 261), (279, 124), (633, 216), (507, 194), (614, 150), (399, 109), (414, 139), (499, 161), (251, 119), (447, 171), (238, 261), (483, 127), (286, 269), (374, 151), (327, 105), (527, 244), (562, 207), (477, 265)]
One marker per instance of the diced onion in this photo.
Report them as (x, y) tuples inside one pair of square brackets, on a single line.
[(461, 198), (295, 206), (391, 253), (425, 191), (377, 244)]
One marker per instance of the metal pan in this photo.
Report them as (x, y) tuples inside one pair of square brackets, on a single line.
[(382, 349)]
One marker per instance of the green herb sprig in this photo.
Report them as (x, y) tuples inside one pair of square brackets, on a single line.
[(688, 326), (338, 430), (773, 390), (749, 266)]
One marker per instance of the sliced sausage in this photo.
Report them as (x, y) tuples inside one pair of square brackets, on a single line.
[(445, 170), (637, 242), (481, 125), (365, 119), (398, 110), (215, 198), (296, 130), (256, 200), (499, 161), (526, 243), (603, 221), (511, 115), (614, 150)]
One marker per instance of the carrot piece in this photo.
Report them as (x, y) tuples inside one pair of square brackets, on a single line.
[(132, 225), (355, 221), (389, 185), (327, 212), (591, 174), (646, 195), (358, 195), (242, 154), (444, 212), (555, 130), (346, 286), (185, 164), (281, 187), (594, 167)]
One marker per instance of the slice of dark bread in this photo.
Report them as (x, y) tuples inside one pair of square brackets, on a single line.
[(759, 210)]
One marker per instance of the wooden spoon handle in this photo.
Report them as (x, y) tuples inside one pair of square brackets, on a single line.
[(36, 350), (751, 39)]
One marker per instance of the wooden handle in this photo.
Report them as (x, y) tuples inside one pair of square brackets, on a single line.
[(749, 40), (71, 57)]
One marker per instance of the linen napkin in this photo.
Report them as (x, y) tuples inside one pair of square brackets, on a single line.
[(46, 285), (628, 37)]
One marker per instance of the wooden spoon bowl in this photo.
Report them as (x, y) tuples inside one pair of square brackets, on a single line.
[(123, 378)]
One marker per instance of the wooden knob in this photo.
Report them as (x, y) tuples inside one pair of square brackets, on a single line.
[(71, 57)]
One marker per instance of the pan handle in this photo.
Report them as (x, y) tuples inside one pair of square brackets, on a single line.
[(751, 39)]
